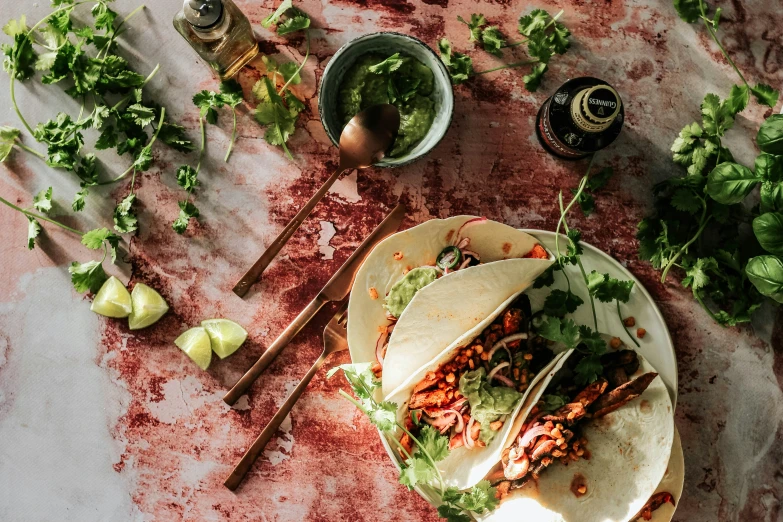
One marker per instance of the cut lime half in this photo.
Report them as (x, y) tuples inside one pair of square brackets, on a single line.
[(148, 307), (112, 300), (195, 343), (227, 336)]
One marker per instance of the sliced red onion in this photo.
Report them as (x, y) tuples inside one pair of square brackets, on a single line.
[(463, 243), (495, 370), (496, 347), (508, 339), (505, 380), (466, 438), (379, 344), (464, 264), (532, 433), (467, 223), (471, 253)]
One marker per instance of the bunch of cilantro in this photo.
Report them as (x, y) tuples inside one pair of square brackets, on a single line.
[(420, 465), (701, 217), (545, 37), (278, 108)]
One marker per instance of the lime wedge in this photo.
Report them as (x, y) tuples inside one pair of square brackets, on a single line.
[(112, 300), (227, 336), (195, 343), (148, 307)]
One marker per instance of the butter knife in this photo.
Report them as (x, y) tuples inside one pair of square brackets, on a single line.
[(335, 290)]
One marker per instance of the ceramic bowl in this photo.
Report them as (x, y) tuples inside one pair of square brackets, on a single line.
[(387, 43)]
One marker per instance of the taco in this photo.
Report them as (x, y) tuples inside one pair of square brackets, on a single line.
[(587, 452), (388, 308), (474, 389)]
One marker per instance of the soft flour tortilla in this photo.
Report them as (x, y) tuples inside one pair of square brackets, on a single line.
[(458, 301), (629, 449), (464, 468)]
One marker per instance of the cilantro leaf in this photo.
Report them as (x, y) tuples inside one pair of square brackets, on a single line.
[(563, 331), (296, 20), (460, 66), (274, 17), (688, 10), (738, 99), (231, 92), (559, 303), (480, 498), (385, 416), (94, 239), (606, 289), (125, 220), (765, 94), (558, 39), (389, 65), (552, 402), (535, 21), (187, 210), (87, 276), (43, 200), (477, 21), (359, 376), (107, 139), (533, 79), (588, 369), (452, 513), (697, 276), (717, 116), (433, 442), (493, 40), (142, 115), (686, 200), (417, 470), (33, 230), (187, 177), (174, 136), (143, 160), (8, 137), (78, 199)]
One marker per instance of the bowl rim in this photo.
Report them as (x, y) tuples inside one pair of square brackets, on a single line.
[(449, 93)]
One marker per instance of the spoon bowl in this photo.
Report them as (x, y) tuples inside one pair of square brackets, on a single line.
[(367, 137)]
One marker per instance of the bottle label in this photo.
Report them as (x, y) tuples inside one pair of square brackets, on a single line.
[(549, 138)]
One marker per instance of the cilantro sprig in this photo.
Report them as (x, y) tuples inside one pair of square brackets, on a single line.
[(545, 37), (86, 276), (420, 465), (279, 109), (589, 343)]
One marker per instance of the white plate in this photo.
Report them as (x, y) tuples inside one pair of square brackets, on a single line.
[(656, 346)]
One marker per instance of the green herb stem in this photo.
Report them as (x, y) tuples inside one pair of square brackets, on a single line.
[(31, 151), (704, 305), (233, 135), (301, 65), (684, 247), (38, 216), (620, 315), (711, 30), (506, 66), (129, 96)]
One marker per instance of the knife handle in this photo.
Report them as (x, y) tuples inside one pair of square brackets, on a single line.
[(252, 453), (263, 362)]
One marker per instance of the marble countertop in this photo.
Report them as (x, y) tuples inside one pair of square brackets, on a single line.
[(101, 423)]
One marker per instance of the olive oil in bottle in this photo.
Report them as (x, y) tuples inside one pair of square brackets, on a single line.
[(583, 116), (219, 32)]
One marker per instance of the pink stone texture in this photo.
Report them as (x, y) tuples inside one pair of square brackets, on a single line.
[(161, 441)]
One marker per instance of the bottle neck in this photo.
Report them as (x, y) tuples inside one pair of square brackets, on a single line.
[(594, 109)]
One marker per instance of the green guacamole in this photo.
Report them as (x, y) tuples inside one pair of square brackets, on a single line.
[(402, 81), (487, 403), (403, 290)]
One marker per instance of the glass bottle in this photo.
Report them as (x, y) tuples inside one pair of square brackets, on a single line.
[(582, 117), (219, 32)]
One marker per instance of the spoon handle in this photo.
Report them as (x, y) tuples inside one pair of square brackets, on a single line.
[(252, 275)]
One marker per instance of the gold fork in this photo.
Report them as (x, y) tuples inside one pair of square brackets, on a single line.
[(335, 340)]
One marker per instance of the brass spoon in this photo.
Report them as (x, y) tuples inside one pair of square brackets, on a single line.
[(364, 141)]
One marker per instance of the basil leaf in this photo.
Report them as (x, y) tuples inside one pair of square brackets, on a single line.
[(771, 196), (769, 167), (729, 183), (770, 136), (769, 231), (766, 274)]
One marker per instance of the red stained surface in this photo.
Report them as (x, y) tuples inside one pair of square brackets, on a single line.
[(180, 440)]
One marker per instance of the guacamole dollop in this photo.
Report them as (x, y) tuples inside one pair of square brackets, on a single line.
[(487, 403), (397, 79), (403, 290)]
